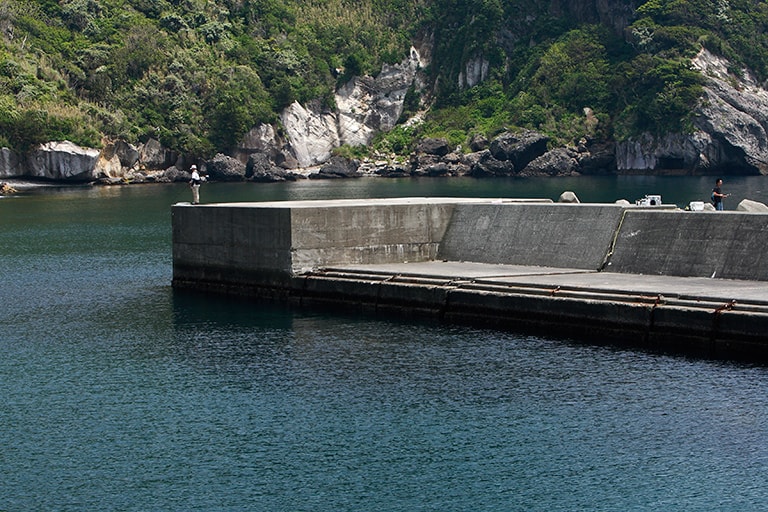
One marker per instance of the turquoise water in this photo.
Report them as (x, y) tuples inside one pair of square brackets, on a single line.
[(117, 393)]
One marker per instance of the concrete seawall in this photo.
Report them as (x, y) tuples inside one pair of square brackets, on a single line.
[(549, 235), (268, 243), (648, 276)]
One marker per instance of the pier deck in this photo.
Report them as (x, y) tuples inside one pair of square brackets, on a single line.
[(692, 281), (710, 317)]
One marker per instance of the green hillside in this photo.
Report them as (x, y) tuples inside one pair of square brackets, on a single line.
[(198, 74)]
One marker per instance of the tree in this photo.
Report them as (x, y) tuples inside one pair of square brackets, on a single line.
[(239, 103), (574, 72)]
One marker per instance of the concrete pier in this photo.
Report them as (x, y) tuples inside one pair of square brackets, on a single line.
[(655, 277)]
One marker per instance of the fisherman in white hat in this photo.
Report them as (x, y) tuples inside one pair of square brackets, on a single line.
[(194, 183)]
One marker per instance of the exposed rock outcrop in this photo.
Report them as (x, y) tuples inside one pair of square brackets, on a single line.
[(108, 165), (673, 153), (63, 161), (557, 162), (475, 71), (731, 130), (735, 115), (391, 170), (730, 137), (312, 134), (128, 154), (503, 158), (10, 164), (478, 142), (170, 175), (487, 166), (508, 154), (365, 106), (261, 139), (369, 105), (225, 168), (154, 155), (433, 157), (337, 167), (261, 169), (432, 146), (596, 157), (519, 149)]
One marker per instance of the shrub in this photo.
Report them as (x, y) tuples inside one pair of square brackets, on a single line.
[(351, 152), (399, 141), (239, 103)]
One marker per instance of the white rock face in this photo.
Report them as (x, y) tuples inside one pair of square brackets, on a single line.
[(364, 107), (63, 161), (312, 135), (734, 111), (260, 139), (475, 71), (672, 151), (66, 161)]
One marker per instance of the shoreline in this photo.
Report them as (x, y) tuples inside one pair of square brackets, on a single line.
[(31, 183)]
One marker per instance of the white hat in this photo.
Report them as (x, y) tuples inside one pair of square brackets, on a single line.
[(194, 167)]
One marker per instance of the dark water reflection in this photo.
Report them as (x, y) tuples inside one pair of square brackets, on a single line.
[(117, 393)]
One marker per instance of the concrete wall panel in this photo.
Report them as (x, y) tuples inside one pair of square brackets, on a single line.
[(217, 241), (547, 235), (726, 245), (210, 242), (367, 234)]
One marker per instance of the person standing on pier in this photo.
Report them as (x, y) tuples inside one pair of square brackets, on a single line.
[(195, 183), (717, 195)]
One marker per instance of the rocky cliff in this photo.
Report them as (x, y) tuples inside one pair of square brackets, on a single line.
[(615, 14), (365, 106), (730, 135)]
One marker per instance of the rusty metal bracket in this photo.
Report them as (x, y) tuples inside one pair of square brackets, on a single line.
[(725, 307)]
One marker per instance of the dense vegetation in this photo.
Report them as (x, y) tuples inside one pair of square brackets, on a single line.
[(198, 74), (636, 81)]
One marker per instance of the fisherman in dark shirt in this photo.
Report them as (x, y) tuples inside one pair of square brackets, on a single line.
[(717, 195)]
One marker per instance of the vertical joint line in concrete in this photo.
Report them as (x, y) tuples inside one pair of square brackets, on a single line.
[(445, 307), (304, 286), (612, 247), (379, 285)]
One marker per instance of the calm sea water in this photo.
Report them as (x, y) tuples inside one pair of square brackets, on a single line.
[(117, 393)]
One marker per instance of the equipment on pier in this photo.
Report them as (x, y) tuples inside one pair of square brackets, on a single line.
[(649, 200)]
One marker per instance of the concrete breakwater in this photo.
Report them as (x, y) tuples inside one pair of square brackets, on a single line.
[(656, 276)]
